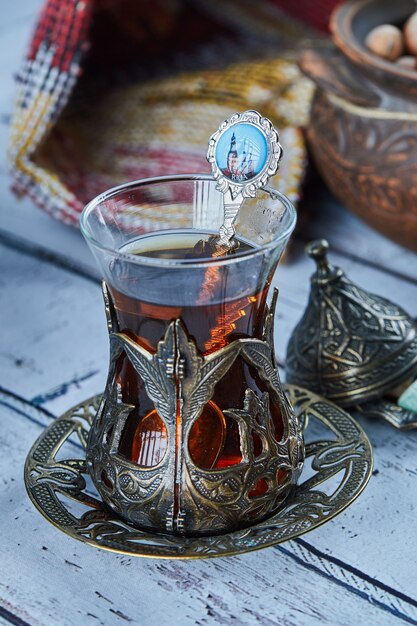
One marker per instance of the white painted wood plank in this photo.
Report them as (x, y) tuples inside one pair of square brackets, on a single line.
[(20, 218), (17, 22), (88, 586), (56, 338), (13, 12), (374, 537), (68, 313), (377, 534), (325, 217), (393, 601)]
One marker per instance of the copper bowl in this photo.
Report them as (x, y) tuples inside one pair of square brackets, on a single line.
[(363, 126)]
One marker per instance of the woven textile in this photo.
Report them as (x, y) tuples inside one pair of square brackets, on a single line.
[(89, 115)]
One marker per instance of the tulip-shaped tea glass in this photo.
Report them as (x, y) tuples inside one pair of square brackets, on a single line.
[(194, 434)]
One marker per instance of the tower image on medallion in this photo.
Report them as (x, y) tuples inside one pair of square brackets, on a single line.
[(239, 168)]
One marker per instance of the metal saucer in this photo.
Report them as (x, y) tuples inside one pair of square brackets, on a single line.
[(339, 463)]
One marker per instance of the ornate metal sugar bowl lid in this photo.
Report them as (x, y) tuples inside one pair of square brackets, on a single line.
[(350, 345)]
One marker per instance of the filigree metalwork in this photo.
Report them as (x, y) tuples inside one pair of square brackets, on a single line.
[(351, 346), (341, 461), (176, 495)]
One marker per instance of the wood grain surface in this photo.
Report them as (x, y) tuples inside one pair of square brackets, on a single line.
[(361, 568)]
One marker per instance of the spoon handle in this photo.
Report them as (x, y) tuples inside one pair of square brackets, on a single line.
[(231, 209)]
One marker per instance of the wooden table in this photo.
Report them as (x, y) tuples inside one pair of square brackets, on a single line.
[(361, 568)]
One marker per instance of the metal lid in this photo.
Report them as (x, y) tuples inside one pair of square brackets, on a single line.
[(350, 345)]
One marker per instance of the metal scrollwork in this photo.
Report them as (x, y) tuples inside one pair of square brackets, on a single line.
[(341, 462), (177, 495)]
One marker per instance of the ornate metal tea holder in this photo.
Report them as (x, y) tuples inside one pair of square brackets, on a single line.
[(179, 379), (58, 483), (353, 347)]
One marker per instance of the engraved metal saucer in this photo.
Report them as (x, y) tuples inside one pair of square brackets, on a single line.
[(340, 466)]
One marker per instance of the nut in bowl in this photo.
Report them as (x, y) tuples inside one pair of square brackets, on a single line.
[(363, 124)]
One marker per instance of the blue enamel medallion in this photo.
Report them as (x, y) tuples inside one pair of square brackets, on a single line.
[(241, 152)]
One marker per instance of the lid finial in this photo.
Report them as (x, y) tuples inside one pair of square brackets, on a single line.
[(317, 250)]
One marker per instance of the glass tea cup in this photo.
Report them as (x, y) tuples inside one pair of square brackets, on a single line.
[(194, 434)]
